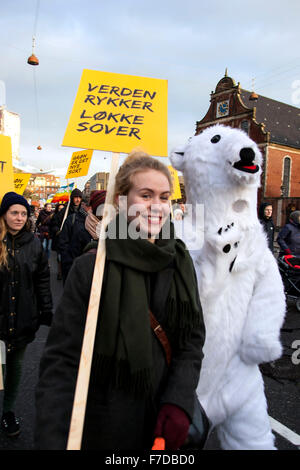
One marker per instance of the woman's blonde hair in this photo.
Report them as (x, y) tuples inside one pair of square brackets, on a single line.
[(3, 250), (137, 161)]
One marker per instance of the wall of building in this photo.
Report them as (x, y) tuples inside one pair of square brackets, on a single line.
[(42, 185), (98, 181), (275, 171), (10, 125)]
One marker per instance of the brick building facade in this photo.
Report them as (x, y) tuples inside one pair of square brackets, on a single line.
[(275, 127), (43, 185)]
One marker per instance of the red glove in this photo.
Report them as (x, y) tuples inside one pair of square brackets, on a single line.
[(287, 251), (173, 425)]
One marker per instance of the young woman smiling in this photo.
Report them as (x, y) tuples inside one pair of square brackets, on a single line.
[(134, 395), (25, 297)]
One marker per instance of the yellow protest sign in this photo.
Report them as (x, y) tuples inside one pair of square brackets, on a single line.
[(21, 181), (79, 164), (176, 194), (6, 168), (117, 113)]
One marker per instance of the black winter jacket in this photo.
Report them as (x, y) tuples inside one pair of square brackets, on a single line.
[(43, 223), (25, 296), (69, 238), (289, 238), (113, 418), (267, 224)]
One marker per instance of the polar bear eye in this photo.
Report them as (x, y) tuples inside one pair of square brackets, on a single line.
[(216, 139)]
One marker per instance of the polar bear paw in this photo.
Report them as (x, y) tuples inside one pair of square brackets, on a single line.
[(226, 242)]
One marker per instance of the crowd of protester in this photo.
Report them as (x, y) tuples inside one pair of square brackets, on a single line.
[(131, 381), (130, 371)]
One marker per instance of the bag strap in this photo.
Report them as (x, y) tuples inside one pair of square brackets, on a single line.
[(161, 336)]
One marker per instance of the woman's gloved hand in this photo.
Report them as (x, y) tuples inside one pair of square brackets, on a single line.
[(173, 425), (287, 251)]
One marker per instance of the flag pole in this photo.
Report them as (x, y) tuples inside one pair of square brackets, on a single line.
[(81, 391), (67, 209)]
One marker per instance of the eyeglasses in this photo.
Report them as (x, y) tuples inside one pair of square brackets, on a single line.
[(16, 213)]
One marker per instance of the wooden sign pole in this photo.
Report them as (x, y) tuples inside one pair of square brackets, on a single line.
[(171, 210), (82, 385)]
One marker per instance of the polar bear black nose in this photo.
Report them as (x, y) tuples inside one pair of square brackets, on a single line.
[(247, 155)]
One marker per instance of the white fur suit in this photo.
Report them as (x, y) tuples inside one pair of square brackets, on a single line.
[(239, 283)]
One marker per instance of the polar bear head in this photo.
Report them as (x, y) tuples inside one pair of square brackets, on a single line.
[(222, 157), (222, 169)]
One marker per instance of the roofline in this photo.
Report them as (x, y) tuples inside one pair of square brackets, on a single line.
[(271, 99)]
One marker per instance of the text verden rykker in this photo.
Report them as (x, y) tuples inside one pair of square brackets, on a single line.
[(114, 102)]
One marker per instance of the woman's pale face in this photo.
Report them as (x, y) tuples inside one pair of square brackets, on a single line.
[(268, 211), (16, 218), (148, 201)]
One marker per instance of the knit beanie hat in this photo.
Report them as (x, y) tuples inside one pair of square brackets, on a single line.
[(76, 193), (295, 217), (11, 198), (97, 198)]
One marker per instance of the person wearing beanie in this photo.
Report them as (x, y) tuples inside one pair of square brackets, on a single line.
[(94, 217), (13, 198), (25, 296), (54, 234), (265, 218), (97, 199), (76, 197), (289, 236), (73, 225), (74, 206)]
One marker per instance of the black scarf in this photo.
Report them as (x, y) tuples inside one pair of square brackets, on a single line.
[(123, 350)]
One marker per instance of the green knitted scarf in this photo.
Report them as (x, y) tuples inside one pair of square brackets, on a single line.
[(123, 350)]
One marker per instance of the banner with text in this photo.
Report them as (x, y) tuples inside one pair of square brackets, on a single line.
[(6, 167), (21, 181), (117, 113), (79, 164)]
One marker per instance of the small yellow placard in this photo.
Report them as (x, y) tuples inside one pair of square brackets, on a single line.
[(117, 113), (79, 164), (176, 194), (6, 168), (21, 181)]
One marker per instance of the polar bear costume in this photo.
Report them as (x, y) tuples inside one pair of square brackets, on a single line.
[(239, 283)]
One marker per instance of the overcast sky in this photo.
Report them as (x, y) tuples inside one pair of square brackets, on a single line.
[(189, 43)]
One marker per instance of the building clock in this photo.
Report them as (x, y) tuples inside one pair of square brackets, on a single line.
[(222, 108)]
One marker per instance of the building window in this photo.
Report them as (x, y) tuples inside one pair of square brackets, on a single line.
[(285, 188), (245, 126)]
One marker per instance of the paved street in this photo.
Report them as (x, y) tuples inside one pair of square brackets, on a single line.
[(282, 382)]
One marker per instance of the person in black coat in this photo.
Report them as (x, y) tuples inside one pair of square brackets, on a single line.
[(265, 217), (25, 296), (43, 227), (68, 240), (289, 236), (90, 231), (69, 218), (135, 392)]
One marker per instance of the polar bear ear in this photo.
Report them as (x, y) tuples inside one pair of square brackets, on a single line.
[(177, 158)]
